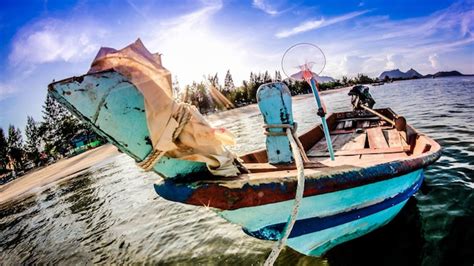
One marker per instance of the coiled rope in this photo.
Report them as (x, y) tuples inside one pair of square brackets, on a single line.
[(297, 155)]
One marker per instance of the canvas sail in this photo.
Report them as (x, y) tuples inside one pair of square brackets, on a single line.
[(196, 139)]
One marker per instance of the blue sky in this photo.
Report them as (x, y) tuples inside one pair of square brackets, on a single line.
[(54, 39)]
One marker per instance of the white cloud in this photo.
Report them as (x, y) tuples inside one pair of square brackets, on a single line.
[(434, 60), (192, 48), (315, 24), (403, 44), (353, 64), (466, 23), (5, 91), (394, 61), (52, 40), (265, 7)]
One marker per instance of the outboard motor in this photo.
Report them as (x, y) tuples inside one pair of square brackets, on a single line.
[(361, 96), (362, 100)]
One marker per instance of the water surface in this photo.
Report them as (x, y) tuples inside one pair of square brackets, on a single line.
[(111, 214)]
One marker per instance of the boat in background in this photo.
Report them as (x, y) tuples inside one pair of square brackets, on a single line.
[(377, 168)]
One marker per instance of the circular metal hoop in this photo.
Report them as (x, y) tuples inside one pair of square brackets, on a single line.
[(286, 71)]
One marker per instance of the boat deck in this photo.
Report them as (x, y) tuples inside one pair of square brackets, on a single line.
[(359, 139), (367, 150), (362, 139)]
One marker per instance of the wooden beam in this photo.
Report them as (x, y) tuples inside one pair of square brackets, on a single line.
[(372, 118), (266, 167), (393, 138), (364, 151), (357, 142), (346, 131), (321, 145), (376, 138)]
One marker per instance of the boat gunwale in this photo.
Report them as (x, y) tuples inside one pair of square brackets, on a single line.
[(245, 194), (245, 191), (235, 189)]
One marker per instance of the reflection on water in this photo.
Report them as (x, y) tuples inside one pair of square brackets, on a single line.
[(111, 214)]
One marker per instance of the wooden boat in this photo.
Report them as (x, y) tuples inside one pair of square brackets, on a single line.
[(376, 170)]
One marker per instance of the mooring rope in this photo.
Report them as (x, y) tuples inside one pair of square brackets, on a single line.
[(299, 196), (182, 116), (293, 132)]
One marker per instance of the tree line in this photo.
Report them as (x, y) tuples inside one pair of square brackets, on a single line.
[(47, 140), (50, 139), (198, 93)]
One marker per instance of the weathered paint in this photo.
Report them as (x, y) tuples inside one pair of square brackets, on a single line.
[(115, 109), (274, 101), (221, 196), (322, 205), (317, 243), (330, 219), (339, 204)]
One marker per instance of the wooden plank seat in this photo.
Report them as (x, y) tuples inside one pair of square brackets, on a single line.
[(376, 138), (387, 150), (371, 144), (265, 167), (352, 130)]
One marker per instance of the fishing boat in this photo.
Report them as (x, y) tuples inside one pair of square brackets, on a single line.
[(379, 163)]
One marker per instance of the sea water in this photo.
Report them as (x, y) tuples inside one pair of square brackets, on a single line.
[(111, 214)]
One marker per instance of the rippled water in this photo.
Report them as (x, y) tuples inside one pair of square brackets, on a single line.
[(111, 213)]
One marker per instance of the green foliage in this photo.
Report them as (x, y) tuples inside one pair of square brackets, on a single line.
[(345, 80), (56, 131), (3, 150), (59, 126), (198, 95), (33, 140), (298, 87), (330, 85), (363, 79), (214, 80), (15, 150), (228, 84), (277, 76)]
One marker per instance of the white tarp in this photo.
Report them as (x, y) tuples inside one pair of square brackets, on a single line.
[(198, 141)]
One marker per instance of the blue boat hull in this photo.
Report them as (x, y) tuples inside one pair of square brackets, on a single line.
[(341, 202), (327, 220)]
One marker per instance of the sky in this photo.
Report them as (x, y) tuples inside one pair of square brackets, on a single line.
[(42, 41)]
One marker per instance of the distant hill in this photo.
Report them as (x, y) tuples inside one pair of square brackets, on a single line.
[(324, 79), (319, 79), (413, 74), (392, 74), (440, 74), (410, 74), (397, 74)]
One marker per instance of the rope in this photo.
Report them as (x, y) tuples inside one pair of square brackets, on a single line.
[(182, 116), (293, 132), (150, 160), (299, 196)]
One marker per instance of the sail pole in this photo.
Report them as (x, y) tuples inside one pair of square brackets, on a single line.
[(321, 113)]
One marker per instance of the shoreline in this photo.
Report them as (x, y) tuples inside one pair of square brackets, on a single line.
[(64, 169), (41, 179), (252, 107)]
